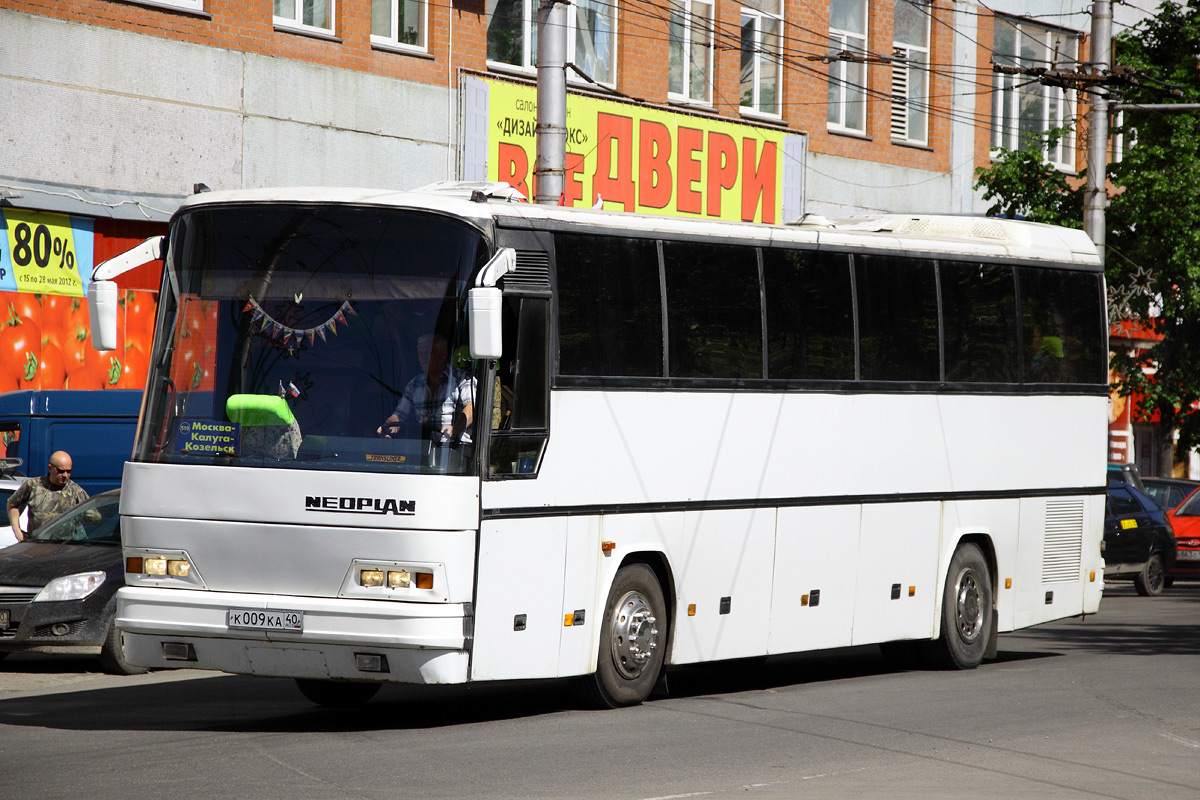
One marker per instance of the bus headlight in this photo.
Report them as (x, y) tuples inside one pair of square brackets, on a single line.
[(392, 580), (160, 568)]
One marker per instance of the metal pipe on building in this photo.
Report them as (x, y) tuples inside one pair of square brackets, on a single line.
[(551, 133), (1095, 198)]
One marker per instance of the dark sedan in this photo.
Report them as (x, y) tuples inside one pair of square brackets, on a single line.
[(1139, 542), (58, 587)]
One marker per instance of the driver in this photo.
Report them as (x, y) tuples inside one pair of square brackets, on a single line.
[(439, 397)]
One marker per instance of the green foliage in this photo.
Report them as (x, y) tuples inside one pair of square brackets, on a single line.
[(1153, 221)]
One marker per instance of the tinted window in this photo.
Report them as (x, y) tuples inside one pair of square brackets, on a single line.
[(810, 316), (610, 306), (979, 320), (1121, 502), (897, 318), (1062, 327), (714, 314)]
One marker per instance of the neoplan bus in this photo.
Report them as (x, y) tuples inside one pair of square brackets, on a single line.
[(675, 441)]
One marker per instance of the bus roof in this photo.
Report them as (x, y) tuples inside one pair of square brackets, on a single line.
[(485, 203)]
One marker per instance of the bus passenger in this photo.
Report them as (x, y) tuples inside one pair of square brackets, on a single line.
[(439, 397)]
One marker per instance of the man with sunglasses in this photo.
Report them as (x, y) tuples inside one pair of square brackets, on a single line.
[(45, 497)]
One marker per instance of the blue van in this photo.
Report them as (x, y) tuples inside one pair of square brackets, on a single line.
[(96, 427)]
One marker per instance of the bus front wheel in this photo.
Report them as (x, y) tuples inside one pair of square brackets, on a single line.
[(632, 641), (966, 612)]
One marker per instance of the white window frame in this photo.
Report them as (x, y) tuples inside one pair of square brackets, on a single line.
[(913, 62), (393, 40), (763, 59), (296, 23), (1058, 105), (691, 21), (841, 85), (529, 15)]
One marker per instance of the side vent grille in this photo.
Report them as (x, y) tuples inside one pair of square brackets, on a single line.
[(1063, 547), (532, 272)]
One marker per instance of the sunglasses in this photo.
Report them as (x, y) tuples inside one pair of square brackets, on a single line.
[(66, 471)]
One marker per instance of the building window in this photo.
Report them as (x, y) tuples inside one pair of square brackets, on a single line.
[(762, 69), (1023, 109), (399, 22), (847, 75), (690, 67), (312, 15), (910, 72), (591, 36)]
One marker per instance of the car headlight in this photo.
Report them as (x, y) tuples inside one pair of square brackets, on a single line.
[(70, 587)]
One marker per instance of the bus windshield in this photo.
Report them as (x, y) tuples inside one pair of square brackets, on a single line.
[(315, 337)]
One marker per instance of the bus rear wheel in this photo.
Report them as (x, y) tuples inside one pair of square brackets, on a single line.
[(632, 641), (966, 612), (337, 694)]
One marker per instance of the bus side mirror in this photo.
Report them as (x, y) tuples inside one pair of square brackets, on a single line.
[(102, 290), (102, 314), (483, 312), (484, 302)]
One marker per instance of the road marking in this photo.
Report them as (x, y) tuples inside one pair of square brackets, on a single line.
[(677, 796), (1170, 737)]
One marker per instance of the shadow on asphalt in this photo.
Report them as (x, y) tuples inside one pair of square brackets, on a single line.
[(248, 704), (238, 703)]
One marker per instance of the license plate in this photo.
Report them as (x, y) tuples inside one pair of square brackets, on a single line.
[(258, 619), (4, 619), (1189, 555)]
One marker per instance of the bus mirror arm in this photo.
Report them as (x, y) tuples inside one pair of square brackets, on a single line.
[(484, 303), (102, 289)]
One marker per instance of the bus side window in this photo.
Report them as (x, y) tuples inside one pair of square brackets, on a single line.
[(520, 417)]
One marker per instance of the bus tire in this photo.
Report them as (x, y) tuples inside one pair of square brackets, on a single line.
[(966, 612), (632, 641), (337, 694), (1152, 579)]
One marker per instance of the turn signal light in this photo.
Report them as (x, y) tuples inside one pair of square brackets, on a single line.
[(424, 580)]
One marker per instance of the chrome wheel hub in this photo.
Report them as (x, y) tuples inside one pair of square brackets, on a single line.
[(968, 605), (634, 634)]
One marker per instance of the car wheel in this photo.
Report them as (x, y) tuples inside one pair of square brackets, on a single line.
[(1150, 581), (966, 612), (633, 638), (112, 654), (337, 694)]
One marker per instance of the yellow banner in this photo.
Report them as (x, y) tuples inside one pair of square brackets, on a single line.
[(633, 158), (41, 253)]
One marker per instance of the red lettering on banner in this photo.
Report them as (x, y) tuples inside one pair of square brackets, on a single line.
[(614, 132), (688, 170), (572, 186), (654, 165), (758, 181), (513, 167), (722, 169)]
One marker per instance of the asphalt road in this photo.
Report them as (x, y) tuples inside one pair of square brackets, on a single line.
[(1103, 707)]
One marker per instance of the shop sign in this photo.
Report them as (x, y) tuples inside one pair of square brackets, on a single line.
[(44, 253), (631, 157)]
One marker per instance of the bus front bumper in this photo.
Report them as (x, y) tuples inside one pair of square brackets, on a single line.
[(337, 639)]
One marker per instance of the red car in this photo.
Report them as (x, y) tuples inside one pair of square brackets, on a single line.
[(1185, 518)]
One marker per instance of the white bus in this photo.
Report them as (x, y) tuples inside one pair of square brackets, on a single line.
[(660, 441)]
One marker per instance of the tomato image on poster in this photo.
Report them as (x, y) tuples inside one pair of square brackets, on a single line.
[(45, 343)]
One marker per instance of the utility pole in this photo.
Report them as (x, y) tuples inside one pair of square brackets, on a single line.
[(549, 166), (1095, 197)]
